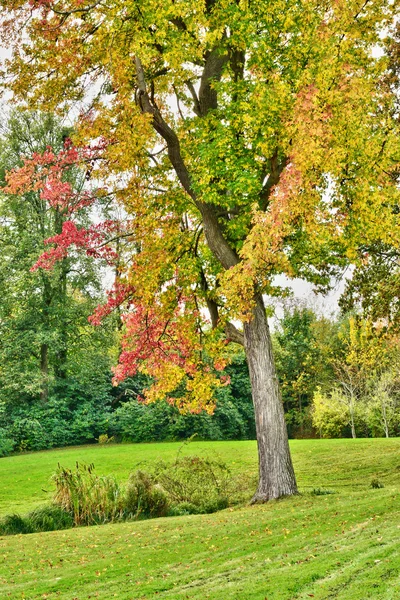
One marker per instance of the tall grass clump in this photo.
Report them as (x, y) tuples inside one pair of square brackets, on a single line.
[(50, 518), (15, 524), (89, 498)]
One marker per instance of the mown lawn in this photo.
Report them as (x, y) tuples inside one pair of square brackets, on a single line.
[(344, 545)]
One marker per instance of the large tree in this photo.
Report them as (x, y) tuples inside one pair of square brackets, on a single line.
[(244, 139)]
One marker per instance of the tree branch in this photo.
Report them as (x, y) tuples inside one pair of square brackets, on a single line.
[(215, 239), (234, 334), (276, 170), (196, 104)]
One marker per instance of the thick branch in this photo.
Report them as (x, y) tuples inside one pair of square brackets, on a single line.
[(215, 239), (164, 130), (234, 334), (214, 236), (212, 71), (276, 170)]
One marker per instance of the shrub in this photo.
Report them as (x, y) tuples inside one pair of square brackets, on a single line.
[(330, 414), (6, 444), (144, 497), (196, 485), (138, 422), (28, 434), (45, 518), (105, 439), (15, 524), (58, 422)]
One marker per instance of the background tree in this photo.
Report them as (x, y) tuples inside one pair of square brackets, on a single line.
[(363, 392), (270, 161), (303, 351), (46, 342), (383, 405)]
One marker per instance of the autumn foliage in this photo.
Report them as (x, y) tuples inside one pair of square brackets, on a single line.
[(161, 339), (245, 140)]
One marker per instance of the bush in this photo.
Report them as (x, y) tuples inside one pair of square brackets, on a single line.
[(15, 524), (138, 422), (56, 423), (6, 444), (196, 485), (45, 518), (105, 439), (330, 414), (144, 497), (50, 518), (158, 421), (28, 434)]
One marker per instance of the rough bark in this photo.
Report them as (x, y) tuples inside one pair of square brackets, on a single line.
[(276, 474)]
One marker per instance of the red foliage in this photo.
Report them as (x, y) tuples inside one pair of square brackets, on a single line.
[(161, 332), (92, 240), (46, 174), (154, 338), (120, 293)]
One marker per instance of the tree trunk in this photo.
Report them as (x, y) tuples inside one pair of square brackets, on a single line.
[(44, 369), (385, 421), (352, 424), (276, 474), (61, 355)]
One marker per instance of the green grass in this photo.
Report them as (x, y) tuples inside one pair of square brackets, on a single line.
[(342, 545)]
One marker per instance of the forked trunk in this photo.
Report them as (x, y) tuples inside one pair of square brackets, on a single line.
[(276, 474)]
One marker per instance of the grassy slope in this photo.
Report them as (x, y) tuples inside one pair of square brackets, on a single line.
[(341, 546)]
